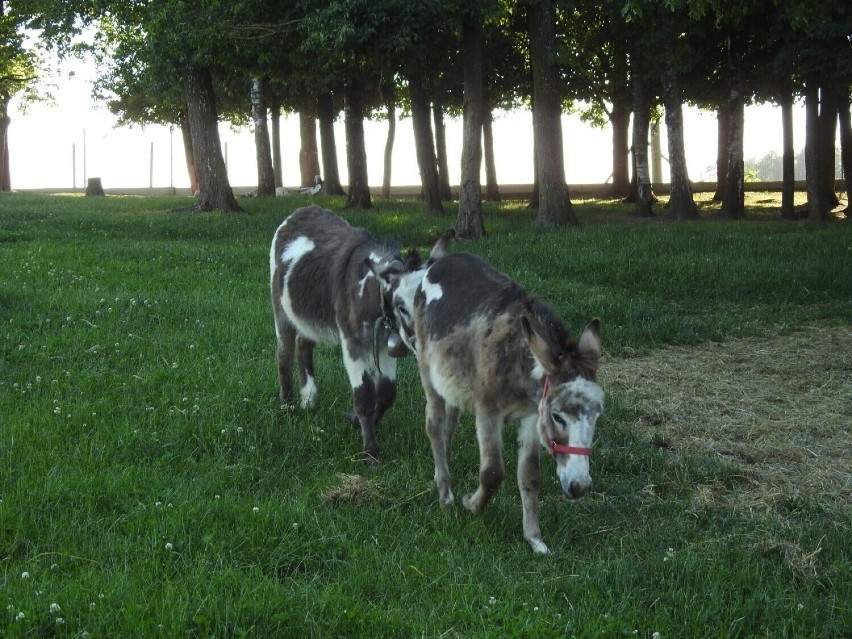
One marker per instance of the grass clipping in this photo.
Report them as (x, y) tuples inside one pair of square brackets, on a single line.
[(780, 408), (353, 489)]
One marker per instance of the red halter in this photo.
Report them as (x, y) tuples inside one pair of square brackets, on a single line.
[(554, 447)]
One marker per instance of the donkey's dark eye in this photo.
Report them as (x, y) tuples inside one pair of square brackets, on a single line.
[(402, 310), (558, 418)]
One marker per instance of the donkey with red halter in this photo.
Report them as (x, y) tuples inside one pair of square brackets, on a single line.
[(484, 344), (331, 282)]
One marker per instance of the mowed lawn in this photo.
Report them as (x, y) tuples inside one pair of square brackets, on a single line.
[(151, 484)]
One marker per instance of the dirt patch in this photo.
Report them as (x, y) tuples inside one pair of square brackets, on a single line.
[(780, 408)]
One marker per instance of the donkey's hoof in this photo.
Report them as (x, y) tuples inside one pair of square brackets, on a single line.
[(371, 457), (448, 501), (539, 547), (472, 503), (352, 418)]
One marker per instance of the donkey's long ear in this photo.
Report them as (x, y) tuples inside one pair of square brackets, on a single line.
[(589, 349), (440, 249), (388, 271), (541, 350)]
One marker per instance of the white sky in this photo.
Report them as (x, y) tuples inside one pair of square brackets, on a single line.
[(47, 142)]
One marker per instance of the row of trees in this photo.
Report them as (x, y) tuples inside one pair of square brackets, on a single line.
[(194, 63)]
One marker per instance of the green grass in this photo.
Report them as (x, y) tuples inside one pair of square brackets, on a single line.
[(150, 485)]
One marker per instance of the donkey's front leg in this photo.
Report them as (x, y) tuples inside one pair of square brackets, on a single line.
[(364, 402), (528, 476), (489, 433), (437, 417)]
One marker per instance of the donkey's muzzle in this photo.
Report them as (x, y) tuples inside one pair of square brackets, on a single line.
[(576, 488)]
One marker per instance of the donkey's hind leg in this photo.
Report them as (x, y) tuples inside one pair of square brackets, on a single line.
[(490, 437), (308, 390), (286, 336), (441, 421)]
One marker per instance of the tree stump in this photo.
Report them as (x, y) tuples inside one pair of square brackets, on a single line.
[(94, 187)]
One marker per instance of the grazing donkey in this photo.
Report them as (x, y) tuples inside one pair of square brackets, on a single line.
[(331, 283), (484, 344)]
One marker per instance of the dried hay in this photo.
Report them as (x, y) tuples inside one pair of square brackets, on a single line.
[(353, 489), (780, 408)]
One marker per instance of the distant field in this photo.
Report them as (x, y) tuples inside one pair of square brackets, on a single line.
[(151, 485)]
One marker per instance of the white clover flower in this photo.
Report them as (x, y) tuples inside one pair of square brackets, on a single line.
[(492, 600), (20, 616), (91, 605), (255, 509), (656, 635), (169, 545), (25, 575), (60, 621), (54, 607)]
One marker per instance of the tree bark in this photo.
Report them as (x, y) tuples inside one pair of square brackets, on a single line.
[(723, 132), (94, 187), (441, 153), (620, 120), (5, 173), (309, 166), (788, 157), (492, 188), (817, 209), (265, 174), (356, 151), (331, 175), (681, 202), (642, 197), (469, 222), (555, 207), (424, 145), (275, 130), (733, 200), (386, 175), (189, 156), (215, 193), (827, 136), (843, 111)]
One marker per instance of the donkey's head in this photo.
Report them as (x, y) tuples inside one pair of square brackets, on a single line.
[(403, 288), (571, 399)]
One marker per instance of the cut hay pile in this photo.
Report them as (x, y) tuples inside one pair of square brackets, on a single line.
[(779, 408)]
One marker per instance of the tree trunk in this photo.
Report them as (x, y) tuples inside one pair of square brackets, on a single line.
[(424, 146), (309, 166), (641, 196), (265, 175), (681, 201), (356, 151), (817, 209), (189, 156), (846, 145), (275, 130), (723, 132), (555, 207), (620, 120), (215, 193), (788, 158), (326, 115), (441, 153), (533, 203), (386, 175), (733, 200), (5, 173), (827, 137), (492, 188), (469, 223)]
